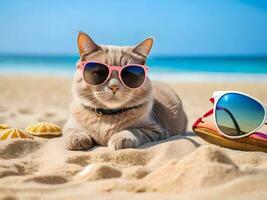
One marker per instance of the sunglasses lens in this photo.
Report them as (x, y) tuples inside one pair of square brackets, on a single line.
[(95, 73), (238, 115), (133, 76)]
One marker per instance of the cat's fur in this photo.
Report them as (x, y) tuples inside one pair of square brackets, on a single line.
[(160, 116)]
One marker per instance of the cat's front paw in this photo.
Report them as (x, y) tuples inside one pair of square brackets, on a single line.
[(122, 140), (78, 141)]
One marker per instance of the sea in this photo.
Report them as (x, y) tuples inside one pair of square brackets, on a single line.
[(165, 68)]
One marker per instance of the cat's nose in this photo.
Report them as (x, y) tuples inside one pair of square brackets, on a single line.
[(114, 88)]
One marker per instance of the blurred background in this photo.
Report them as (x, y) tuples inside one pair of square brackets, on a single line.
[(195, 40)]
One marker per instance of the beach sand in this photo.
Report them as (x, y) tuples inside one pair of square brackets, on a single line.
[(181, 167)]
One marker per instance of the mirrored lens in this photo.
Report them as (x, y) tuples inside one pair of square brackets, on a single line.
[(95, 73), (237, 114), (133, 76)]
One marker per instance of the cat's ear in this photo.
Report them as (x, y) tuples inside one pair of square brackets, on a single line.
[(86, 44), (143, 48)]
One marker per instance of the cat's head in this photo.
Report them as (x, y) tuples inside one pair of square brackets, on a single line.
[(102, 96)]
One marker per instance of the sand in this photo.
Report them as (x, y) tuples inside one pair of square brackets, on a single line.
[(181, 167)]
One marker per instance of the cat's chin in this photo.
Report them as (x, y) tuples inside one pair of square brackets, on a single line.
[(115, 99), (113, 104)]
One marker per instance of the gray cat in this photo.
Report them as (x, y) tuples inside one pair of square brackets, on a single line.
[(129, 117)]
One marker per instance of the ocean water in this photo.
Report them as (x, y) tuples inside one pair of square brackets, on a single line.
[(163, 68)]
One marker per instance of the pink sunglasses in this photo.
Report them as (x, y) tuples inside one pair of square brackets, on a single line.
[(131, 76)]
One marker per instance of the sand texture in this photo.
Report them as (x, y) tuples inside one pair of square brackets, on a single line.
[(181, 167)]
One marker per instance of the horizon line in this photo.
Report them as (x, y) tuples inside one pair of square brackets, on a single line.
[(150, 56)]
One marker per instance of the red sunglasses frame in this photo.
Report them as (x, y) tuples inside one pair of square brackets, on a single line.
[(81, 66)]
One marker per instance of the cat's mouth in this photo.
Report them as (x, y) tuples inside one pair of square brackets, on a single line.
[(114, 97)]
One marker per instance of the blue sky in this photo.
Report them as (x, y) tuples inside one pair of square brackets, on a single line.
[(180, 27)]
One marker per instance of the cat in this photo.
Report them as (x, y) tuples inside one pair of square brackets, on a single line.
[(150, 113)]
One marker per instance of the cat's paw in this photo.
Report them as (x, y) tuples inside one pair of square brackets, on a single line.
[(123, 140), (78, 141)]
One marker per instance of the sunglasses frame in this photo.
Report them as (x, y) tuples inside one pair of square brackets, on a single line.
[(81, 65), (217, 96)]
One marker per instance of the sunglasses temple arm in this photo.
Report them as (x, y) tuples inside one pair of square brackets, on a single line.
[(199, 120), (212, 100), (210, 112), (231, 116), (80, 64)]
